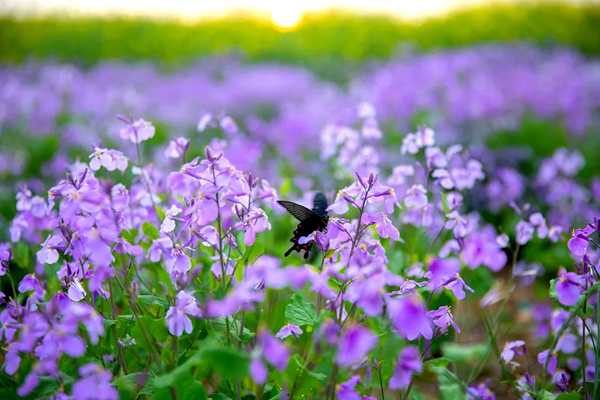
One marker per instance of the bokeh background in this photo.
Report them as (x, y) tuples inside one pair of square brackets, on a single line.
[(518, 83)]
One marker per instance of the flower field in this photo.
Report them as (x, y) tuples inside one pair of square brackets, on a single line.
[(162, 234)]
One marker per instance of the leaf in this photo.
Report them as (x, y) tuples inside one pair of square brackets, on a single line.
[(553, 293), (150, 299), (131, 382), (318, 376), (329, 253), (452, 392), (436, 362), (218, 396), (110, 322), (227, 364), (21, 255), (299, 312), (150, 230), (130, 236), (568, 396), (545, 395), (445, 202), (465, 352), (193, 391), (250, 255), (220, 325)]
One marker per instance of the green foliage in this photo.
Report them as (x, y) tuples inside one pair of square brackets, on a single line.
[(465, 352), (299, 312), (150, 230), (327, 42)]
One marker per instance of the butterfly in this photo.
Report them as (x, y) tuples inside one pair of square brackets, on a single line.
[(310, 221)]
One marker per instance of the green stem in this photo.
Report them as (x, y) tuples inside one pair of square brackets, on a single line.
[(114, 329), (381, 385)]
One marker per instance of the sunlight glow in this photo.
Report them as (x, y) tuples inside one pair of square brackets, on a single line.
[(285, 17)]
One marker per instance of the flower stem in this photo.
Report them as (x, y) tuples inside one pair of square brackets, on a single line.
[(381, 385), (114, 329)]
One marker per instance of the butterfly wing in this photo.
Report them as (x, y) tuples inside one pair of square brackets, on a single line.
[(299, 212), (320, 205)]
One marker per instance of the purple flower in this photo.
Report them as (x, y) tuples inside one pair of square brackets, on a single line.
[(538, 220), (180, 262), (416, 197), (204, 122), (456, 222), (5, 257), (30, 282), (177, 319), (177, 147), (409, 317), (95, 383), (48, 254), (340, 204), (524, 232), (442, 317), (168, 225), (345, 390), (567, 343), (273, 351), (457, 286), (512, 348), (76, 291), (228, 125), (579, 242), (287, 330), (354, 345), (258, 371), (408, 364), (569, 288), (138, 131), (480, 392), (551, 363)]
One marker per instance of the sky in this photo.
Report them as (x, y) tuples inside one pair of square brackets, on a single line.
[(282, 13)]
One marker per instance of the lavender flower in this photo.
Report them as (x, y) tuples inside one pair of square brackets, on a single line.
[(408, 364)]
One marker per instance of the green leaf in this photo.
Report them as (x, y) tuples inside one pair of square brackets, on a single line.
[(436, 362), (299, 312), (545, 395), (465, 352), (329, 253), (193, 391), (150, 299), (110, 322), (150, 230), (553, 293), (445, 202), (452, 392), (130, 236), (218, 396), (568, 396), (250, 255), (318, 376), (21, 255), (227, 364), (220, 325), (131, 382)]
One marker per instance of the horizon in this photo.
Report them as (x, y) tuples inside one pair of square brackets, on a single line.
[(287, 16)]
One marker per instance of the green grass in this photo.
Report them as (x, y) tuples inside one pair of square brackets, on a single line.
[(323, 41)]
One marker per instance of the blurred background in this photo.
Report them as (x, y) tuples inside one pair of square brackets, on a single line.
[(317, 34)]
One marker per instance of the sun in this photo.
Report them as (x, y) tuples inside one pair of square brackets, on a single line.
[(286, 17)]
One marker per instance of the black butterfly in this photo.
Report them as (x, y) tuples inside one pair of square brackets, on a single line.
[(310, 221)]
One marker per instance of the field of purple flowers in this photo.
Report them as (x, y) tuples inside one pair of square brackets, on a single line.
[(142, 243)]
